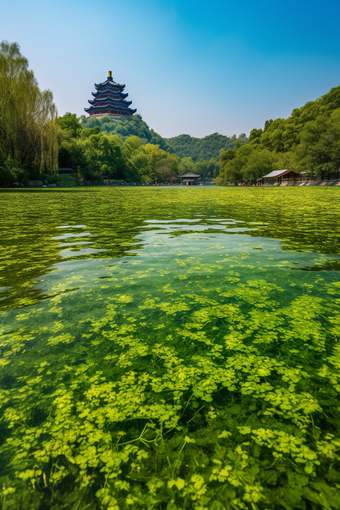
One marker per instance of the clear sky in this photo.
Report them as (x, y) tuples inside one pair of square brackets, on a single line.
[(190, 66)]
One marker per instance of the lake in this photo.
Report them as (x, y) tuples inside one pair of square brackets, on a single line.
[(166, 347)]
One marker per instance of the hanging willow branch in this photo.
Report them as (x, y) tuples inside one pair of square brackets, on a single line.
[(28, 132)]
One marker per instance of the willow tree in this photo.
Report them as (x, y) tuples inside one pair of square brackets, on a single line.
[(28, 132)]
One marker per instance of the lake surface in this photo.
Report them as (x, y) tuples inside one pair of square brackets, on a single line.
[(170, 348)]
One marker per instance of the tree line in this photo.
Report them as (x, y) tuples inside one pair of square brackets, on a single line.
[(35, 142), (97, 155), (204, 149), (186, 146), (307, 141)]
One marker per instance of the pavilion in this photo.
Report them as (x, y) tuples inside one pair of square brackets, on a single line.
[(189, 178), (278, 175)]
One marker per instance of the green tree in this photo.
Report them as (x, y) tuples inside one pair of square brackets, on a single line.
[(259, 163), (267, 124), (319, 150), (71, 124), (308, 140), (255, 134), (28, 132)]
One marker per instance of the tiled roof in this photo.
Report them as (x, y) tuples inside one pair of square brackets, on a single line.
[(277, 173), (189, 174)]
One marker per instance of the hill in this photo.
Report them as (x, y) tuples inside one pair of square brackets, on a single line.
[(307, 141), (202, 149), (186, 146), (125, 127)]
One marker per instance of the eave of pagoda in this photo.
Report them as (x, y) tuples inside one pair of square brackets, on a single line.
[(107, 106), (92, 111), (109, 93), (107, 97), (108, 101), (109, 84)]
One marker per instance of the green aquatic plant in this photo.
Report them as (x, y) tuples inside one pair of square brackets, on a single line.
[(170, 371)]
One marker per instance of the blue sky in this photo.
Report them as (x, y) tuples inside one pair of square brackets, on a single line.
[(189, 66)]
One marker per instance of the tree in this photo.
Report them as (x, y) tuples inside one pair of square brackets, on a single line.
[(28, 132), (11, 171), (267, 124), (186, 165), (71, 124), (319, 150), (308, 140), (259, 163), (155, 154), (255, 134)]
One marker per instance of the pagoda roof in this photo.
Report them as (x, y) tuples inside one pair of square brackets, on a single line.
[(104, 107), (107, 88), (122, 106), (110, 92), (107, 100), (189, 175), (109, 83)]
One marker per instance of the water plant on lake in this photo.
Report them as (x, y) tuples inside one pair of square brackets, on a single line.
[(170, 348)]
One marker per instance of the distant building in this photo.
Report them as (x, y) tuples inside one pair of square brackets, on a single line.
[(278, 175), (109, 99), (189, 178)]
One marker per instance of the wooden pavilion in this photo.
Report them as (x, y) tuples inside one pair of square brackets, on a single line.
[(278, 176), (189, 178)]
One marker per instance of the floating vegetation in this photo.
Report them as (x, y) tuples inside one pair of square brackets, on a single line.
[(170, 348)]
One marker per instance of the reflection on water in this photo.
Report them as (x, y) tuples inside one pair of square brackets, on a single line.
[(181, 248), (32, 233), (185, 254)]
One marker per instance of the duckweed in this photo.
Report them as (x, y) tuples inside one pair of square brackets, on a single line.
[(170, 349)]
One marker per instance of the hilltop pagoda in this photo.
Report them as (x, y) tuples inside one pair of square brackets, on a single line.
[(109, 99)]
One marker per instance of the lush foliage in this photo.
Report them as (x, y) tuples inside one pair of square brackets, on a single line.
[(186, 146), (33, 141), (204, 149), (124, 127), (308, 141), (162, 348), (133, 154), (208, 170), (95, 155), (28, 134)]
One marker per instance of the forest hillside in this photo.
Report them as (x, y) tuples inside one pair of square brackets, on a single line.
[(185, 146), (307, 141), (200, 149)]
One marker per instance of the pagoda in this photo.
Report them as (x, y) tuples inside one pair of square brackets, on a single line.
[(109, 99)]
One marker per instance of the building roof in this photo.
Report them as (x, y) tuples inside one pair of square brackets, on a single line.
[(189, 174), (108, 101), (102, 108), (278, 173), (109, 93), (109, 83)]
